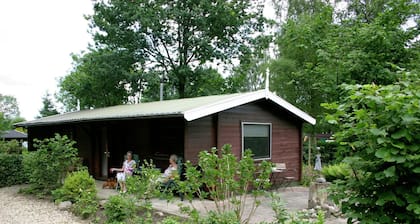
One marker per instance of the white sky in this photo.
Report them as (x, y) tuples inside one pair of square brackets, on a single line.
[(36, 40)]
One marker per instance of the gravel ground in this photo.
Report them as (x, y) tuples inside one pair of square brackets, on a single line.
[(20, 209)]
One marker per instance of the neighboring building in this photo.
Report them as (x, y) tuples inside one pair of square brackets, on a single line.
[(13, 135), (259, 120)]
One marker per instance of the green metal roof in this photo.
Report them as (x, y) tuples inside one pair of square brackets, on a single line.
[(189, 108)]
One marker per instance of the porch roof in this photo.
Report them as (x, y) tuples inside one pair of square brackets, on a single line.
[(13, 134), (188, 108)]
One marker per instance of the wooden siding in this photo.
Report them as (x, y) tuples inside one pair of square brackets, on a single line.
[(200, 135), (286, 133)]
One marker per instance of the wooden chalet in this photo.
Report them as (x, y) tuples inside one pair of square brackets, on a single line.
[(258, 120)]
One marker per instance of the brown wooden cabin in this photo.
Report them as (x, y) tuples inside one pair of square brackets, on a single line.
[(259, 120)]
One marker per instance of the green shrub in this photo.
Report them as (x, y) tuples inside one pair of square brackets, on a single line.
[(308, 175), (11, 170), (76, 184), (228, 180), (328, 150), (220, 218), (119, 209), (339, 171), (10, 147), (379, 131), (49, 164), (79, 188), (171, 220), (299, 217), (86, 205)]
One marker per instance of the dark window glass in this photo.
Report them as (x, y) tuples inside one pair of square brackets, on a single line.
[(257, 138)]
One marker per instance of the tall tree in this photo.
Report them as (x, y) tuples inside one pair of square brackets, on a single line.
[(99, 78), (319, 51), (9, 112), (9, 106), (292, 9), (48, 107), (174, 38), (296, 73)]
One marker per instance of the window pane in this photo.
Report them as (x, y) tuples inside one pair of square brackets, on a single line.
[(257, 138), (256, 130)]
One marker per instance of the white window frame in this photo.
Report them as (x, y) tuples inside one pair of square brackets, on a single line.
[(270, 136)]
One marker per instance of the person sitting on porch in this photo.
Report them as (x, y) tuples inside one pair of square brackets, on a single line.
[(127, 170), (171, 172)]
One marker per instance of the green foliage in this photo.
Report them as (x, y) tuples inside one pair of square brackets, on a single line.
[(74, 185), (145, 186), (296, 74), (119, 209), (49, 164), (79, 188), (140, 43), (340, 171), (308, 175), (300, 217), (48, 107), (10, 147), (228, 217), (328, 152), (379, 129), (322, 47), (171, 220), (9, 112), (11, 170), (228, 181), (9, 106), (86, 205), (98, 79)]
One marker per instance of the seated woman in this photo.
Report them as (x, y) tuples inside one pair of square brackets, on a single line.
[(127, 170), (171, 172)]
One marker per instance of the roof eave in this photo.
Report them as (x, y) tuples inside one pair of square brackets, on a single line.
[(213, 108), (206, 110), (39, 124), (288, 106)]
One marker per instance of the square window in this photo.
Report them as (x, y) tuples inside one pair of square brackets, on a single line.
[(257, 137)]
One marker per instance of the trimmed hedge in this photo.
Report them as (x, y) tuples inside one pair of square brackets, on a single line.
[(11, 170)]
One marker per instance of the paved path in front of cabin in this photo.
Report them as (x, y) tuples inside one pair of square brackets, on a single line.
[(21, 209), (295, 199)]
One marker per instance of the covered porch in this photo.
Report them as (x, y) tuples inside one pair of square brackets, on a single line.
[(103, 144)]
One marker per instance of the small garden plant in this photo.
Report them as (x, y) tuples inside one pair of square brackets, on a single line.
[(79, 188), (229, 181)]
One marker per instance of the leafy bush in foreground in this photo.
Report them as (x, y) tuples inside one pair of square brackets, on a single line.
[(379, 131), (119, 209), (11, 170), (79, 188), (339, 171), (49, 164), (11, 147)]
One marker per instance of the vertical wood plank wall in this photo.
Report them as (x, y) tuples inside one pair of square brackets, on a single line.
[(225, 128), (200, 135)]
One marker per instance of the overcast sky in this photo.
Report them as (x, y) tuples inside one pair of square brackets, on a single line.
[(36, 40)]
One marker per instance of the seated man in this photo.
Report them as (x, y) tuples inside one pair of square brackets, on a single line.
[(127, 170)]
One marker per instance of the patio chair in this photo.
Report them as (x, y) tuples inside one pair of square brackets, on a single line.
[(279, 178), (171, 185)]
